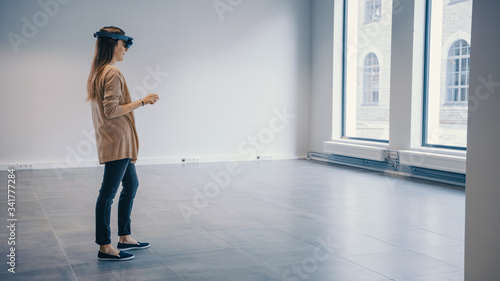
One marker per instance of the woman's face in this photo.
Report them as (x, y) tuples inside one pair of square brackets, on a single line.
[(120, 51)]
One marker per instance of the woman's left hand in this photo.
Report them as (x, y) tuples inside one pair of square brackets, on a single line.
[(151, 99)]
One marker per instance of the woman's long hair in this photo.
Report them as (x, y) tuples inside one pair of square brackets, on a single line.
[(104, 49)]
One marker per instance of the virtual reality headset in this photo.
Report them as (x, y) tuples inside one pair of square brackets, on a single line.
[(126, 39)]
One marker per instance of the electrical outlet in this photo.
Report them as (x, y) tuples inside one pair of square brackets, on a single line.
[(264, 157), (393, 155), (190, 160), (24, 166)]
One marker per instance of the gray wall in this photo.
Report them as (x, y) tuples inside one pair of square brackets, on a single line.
[(482, 225), (229, 72)]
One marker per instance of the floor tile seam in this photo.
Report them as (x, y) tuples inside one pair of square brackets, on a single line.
[(209, 233), (380, 239), (78, 230), (217, 247), (53, 211), (346, 260), (274, 268), (347, 257), (56, 236), (399, 247), (404, 250), (209, 250), (253, 258), (227, 209), (161, 259), (460, 241), (61, 194), (315, 246), (437, 274), (236, 249), (441, 246), (290, 207), (293, 236), (200, 225), (90, 193), (363, 266), (399, 250), (268, 225), (198, 228), (275, 202), (427, 256), (161, 249), (155, 200)]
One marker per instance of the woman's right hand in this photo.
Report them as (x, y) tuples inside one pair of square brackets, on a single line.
[(150, 99)]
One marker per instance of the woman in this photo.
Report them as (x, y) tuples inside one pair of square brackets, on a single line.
[(116, 139)]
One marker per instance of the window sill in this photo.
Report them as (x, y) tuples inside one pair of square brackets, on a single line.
[(357, 148), (457, 103), (436, 159), (358, 142), (440, 151), (456, 1)]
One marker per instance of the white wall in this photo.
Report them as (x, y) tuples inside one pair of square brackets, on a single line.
[(227, 75), (321, 73), (482, 224), (401, 76)]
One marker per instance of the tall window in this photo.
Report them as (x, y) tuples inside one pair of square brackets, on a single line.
[(447, 74), (457, 85), (366, 78), (370, 79), (373, 10)]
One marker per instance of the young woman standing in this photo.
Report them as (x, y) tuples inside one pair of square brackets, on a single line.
[(116, 140)]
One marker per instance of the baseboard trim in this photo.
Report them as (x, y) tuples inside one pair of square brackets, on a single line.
[(154, 161)]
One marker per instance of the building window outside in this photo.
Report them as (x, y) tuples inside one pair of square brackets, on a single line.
[(366, 76), (373, 10), (447, 74), (370, 80), (458, 72)]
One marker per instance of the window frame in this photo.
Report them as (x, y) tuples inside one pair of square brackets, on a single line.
[(425, 110)]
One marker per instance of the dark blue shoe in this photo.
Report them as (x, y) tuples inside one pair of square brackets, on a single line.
[(122, 256), (127, 247)]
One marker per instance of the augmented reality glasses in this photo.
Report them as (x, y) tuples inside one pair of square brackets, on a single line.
[(126, 39)]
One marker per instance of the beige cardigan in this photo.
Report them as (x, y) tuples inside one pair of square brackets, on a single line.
[(113, 117)]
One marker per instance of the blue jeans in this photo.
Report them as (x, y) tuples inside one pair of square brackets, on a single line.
[(115, 172)]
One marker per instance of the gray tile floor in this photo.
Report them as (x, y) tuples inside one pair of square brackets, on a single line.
[(272, 220)]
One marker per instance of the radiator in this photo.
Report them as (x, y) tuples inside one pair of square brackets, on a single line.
[(449, 163), (355, 150)]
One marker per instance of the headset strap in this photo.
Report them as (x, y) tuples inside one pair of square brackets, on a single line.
[(112, 35)]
